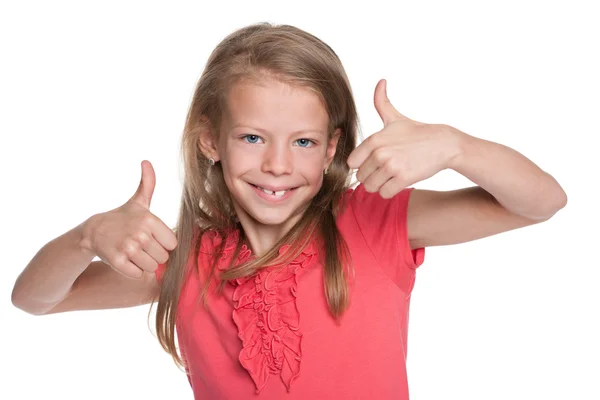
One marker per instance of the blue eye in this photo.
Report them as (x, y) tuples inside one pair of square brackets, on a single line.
[(304, 142), (251, 138)]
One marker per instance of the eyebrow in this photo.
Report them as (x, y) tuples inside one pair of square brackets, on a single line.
[(264, 131)]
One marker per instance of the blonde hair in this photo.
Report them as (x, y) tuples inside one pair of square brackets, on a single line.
[(298, 58)]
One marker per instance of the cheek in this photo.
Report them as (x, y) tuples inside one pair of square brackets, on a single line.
[(311, 166), (236, 160)]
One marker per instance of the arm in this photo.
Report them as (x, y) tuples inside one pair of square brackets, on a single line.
[(130, 241), (512, 192), (48, 277), (62, 277)]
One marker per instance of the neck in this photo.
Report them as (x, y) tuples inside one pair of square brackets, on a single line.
[(262, 237)]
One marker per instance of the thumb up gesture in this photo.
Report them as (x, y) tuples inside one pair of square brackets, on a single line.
[(403, 152), (130, 238)]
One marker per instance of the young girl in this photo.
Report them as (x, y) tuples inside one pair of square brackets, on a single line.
[(280, 279)]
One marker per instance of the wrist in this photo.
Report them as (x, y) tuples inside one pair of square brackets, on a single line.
[(84, 234), (457, 143)]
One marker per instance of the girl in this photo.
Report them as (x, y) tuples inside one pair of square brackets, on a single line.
[(280, 279)]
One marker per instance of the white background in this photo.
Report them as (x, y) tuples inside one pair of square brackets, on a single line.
[(90, 89)]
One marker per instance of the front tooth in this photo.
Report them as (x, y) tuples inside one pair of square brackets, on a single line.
[(267, 191), (280, 193)]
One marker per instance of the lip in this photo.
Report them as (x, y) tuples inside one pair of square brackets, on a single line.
[(272, 198), (275, 188)]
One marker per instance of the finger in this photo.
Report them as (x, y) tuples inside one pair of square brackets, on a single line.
[(143, 194), (132, 252), (358, 156), (392, 187), (156, 251), (144, 261), (369, 166), (164, 235), (377, 179), (146, 242), (384, 107), (129, 269)]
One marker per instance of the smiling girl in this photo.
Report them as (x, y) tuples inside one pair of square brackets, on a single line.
[(280, 279)]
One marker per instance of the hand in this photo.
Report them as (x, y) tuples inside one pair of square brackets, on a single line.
[(130, 238), (403, 152)]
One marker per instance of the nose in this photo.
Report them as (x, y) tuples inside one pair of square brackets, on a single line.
[(277, 160)]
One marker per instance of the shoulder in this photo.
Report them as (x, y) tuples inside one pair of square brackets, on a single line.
[(376, 219), (382, 224), (363, 204)]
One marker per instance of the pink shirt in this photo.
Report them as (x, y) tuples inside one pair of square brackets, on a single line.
[(271, 336)]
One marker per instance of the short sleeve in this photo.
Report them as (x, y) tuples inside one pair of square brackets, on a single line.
[(383, 224)]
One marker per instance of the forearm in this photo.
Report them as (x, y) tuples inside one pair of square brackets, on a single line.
[(515, 181), (50, 274)]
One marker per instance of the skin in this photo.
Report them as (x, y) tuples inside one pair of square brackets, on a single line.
[(274, 136), (511, 192)]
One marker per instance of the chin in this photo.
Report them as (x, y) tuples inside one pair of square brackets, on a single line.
[(270, 218)]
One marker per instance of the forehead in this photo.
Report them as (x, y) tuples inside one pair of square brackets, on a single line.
[(275, 107)]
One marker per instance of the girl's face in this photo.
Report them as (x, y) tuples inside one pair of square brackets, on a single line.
[(273, 148)]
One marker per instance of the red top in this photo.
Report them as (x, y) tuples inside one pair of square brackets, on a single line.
[(271, 336)]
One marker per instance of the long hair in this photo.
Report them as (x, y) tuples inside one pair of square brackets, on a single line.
[(295, 57)]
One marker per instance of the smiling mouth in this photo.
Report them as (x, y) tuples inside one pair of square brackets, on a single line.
[(273, 193)]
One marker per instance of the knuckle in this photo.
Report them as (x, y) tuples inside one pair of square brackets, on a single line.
[(380, 154), (130, 247), (390, 167), (147, 219), (142, 237), (119, 260), (372, 140), (386, 167)]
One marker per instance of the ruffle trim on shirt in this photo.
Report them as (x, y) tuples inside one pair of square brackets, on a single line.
[(266, 314)]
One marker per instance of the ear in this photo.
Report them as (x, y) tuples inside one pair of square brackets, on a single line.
[(207, 141), (331, 147)]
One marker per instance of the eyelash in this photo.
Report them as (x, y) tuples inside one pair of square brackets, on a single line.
[(311, 142)]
